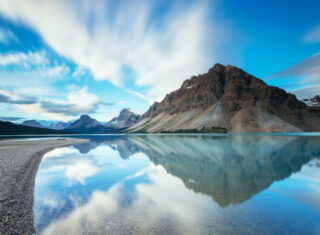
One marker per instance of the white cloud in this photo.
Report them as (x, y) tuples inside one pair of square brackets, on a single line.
[(54, 71), (307, 92), (79, 72), (105, 40), (23, 59), (75, 167), (77, 102), (163, 201), (313, 36), (6, 36), (309, 67), (137, 94), (306, 74)]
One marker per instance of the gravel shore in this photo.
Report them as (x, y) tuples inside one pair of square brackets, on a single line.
[(19, 161)]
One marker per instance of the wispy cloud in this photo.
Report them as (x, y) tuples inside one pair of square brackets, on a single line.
[(79, 101), (313, 36), (23, 59), (9, 98), (32, 72), (309, 68), (12, 119), (79, 72), (307, 91), (305, 75), (162, 51), (7, 36)]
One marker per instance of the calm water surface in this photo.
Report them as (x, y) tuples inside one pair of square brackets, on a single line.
[(170, 184)]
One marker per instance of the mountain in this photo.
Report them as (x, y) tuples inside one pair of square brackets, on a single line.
[(87, 125), (46, 124), (59, 125), (32, 123), (125, 119), (227, 98), (314, 102), (232, 168), (8, 128)]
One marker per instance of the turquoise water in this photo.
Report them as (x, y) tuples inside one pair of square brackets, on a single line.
[(181, 184)]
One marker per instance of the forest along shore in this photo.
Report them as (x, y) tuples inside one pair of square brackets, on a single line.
[(19, 162)]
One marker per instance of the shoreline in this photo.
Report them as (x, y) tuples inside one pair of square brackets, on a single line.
[(19, 162)]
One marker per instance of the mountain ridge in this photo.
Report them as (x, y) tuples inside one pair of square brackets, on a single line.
[(9, 128), (87, 125), (126, 118), (228, 97)]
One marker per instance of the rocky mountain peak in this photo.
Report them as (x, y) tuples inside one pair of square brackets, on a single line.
[(85, 117), (227, 94), (217, 68), (126, 118), (124, 112), (85, 121)]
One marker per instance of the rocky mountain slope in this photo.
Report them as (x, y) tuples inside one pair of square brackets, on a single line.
[(125, 119), (87, 125), (228, 98)]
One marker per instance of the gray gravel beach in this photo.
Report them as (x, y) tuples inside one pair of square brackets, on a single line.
[(19, 161)]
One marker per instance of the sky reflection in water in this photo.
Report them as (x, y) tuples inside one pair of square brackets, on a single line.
[(181, 185)]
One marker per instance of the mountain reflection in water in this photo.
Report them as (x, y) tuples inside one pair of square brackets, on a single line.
[(137, 179)]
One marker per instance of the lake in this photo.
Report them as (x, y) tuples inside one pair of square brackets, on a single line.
[(181, 184)]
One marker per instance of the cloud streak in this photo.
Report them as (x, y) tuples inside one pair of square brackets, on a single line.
[(79, 101), (313, 36), (13, 119), (7, 36), (309, 67), (305, 74), (161, 51), (23, 59), (6, 97)]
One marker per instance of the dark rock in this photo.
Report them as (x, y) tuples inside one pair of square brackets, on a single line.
[(237, 91)]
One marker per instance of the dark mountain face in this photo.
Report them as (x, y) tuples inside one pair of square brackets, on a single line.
[(8, 128), (85, 121), (125, 119), (86, 124), (230, 98), (33, 123)]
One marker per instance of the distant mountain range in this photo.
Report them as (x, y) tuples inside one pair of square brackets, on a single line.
[(52, 125), (8, 128), (87, 125), (228, 99)]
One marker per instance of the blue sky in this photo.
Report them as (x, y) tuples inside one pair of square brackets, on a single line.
[(60, 59)]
